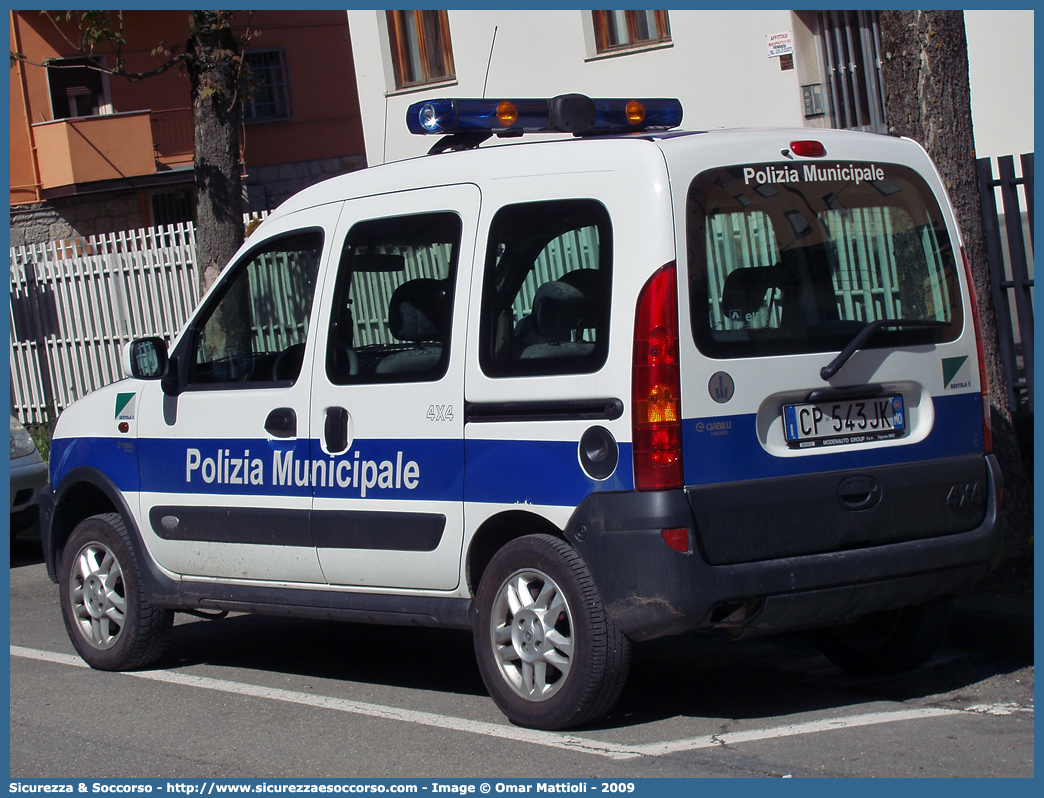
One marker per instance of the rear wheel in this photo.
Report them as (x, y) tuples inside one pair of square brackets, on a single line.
[(888, 642), (549, 654), (109, 621)]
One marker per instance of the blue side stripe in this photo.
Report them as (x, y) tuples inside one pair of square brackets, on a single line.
[(537, 472), (117, 458), (717, 450)]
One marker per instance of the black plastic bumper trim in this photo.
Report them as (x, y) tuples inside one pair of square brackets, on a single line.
[(652, 590), (578, 410), (347, 529)]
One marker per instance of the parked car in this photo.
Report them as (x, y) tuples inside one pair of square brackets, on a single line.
[(568, 394), (28, 475)]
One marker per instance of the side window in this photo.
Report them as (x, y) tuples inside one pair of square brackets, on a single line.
[(547, 289), (393, 303), (255, 331)]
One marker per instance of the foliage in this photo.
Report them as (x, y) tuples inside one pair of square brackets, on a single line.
[(41, 435)]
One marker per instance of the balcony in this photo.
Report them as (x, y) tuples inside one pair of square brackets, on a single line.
[(93, 149), (89, 149)]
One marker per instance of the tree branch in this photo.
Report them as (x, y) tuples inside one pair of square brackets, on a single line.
[(174, 61)]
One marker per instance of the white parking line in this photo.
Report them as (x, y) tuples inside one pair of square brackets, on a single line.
[(793, 729), (515, 733)]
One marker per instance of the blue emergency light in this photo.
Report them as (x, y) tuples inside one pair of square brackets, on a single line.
[(568, 113)]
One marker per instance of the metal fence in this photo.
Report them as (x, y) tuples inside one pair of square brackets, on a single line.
[(74, 304), (1008, 221)]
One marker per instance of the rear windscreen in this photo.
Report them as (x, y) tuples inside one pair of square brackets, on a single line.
[(790, 258)]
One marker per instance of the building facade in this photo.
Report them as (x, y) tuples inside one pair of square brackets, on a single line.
[(93, 153), (763, 68)]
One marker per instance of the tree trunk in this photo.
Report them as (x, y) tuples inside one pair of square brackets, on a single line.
[(217, 113), (928, 99)]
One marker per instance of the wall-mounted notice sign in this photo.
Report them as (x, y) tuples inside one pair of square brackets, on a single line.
[(780, 44)]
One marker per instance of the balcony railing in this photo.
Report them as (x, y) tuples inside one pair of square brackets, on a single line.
[(172, 134)]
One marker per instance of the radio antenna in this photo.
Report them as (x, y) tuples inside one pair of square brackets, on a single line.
[(384, 155), (490, 61)]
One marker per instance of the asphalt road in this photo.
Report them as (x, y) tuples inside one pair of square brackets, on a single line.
[(254, 697)]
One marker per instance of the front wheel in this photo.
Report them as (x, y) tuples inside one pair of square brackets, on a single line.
[(109, 621), (889, 642), (549, 654)]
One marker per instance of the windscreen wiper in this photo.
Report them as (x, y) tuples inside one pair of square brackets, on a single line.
[(866, 333)]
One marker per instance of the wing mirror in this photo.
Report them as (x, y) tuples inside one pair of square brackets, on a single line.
[(145, 358)]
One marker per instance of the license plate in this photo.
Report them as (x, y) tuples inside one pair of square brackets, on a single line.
[(838, 423)]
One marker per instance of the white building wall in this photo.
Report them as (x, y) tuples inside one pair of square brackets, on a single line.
[(717, 65), (1000, 68)]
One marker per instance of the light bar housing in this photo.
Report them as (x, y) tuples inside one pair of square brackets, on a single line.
[(567, 113)]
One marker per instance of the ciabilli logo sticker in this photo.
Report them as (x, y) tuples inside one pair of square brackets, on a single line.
[(956, 373), (125, 406)]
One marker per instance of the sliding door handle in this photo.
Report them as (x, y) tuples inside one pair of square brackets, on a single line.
[(335, 431)]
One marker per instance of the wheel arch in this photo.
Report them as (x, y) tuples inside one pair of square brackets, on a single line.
[(496, 532), (86, 492), (83, 492)]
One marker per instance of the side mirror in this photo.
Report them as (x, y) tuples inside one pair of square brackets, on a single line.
[(145, 358)]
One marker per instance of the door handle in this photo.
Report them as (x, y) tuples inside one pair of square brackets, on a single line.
[(282, 423), (335, 430)]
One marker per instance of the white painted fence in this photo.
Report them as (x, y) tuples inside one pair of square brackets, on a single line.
[(75, 303)]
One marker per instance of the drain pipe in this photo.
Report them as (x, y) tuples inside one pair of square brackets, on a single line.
[(37, 186)]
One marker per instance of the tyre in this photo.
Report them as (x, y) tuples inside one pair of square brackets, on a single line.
[(109, 621), (549, 654), (888, 642)]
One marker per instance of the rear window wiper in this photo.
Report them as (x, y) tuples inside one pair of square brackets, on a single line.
[(866, 333)]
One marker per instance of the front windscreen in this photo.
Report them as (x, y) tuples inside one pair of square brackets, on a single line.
[(790, 258)]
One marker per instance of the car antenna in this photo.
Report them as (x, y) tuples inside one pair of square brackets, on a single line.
[(489, 61)]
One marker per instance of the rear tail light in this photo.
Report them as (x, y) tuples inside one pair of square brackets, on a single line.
[(984, 378), (656, 385)]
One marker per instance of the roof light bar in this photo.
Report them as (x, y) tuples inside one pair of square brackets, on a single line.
[(568, 113), (465, 116), (622, 115)]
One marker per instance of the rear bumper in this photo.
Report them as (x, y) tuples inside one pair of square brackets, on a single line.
[(652, 590)]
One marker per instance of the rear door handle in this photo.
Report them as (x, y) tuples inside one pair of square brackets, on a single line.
[(335, 430), (282, 423)]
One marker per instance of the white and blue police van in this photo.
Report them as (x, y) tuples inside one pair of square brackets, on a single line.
[(570, 394)]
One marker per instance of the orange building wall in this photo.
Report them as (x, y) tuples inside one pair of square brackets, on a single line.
[(326, 123), (23, 175)]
